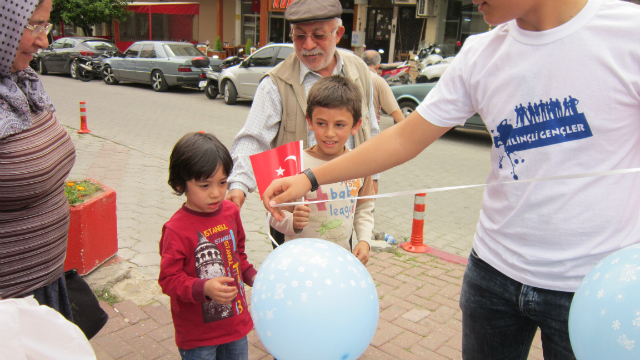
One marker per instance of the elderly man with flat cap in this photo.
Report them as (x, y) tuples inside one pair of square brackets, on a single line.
[(277, 115)]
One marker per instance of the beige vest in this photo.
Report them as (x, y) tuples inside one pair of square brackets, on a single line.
[(293, 126)]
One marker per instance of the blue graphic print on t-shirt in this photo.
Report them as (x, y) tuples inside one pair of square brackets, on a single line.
[(540, 124)]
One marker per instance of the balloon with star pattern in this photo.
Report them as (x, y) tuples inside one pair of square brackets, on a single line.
[(604, 320), (314, 300)]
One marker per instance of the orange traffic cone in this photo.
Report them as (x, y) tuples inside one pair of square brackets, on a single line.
[(83, 119), (417, 239)]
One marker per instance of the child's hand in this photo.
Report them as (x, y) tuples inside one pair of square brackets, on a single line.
[(361, 251), (217, 290), (301, 215)]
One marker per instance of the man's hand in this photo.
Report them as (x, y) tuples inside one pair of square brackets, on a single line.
[(237, 197), (301, 215), (285, 190), (217, 290), (361, 251)]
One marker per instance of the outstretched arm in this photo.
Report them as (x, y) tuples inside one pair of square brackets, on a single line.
[(392, 147)]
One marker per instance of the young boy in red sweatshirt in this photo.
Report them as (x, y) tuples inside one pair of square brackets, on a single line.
[(203, 261)]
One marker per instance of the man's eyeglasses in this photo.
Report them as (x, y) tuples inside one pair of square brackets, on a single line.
[(36, 30), (316, 37)]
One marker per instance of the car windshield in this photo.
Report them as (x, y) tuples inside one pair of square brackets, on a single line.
[(184, 50), (100, 45)]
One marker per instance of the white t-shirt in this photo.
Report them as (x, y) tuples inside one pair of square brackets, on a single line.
[(564, 101)]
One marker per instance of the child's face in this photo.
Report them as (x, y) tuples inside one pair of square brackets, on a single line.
[(207, 195), (332, 128)]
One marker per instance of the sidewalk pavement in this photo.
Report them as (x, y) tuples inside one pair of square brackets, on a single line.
[(419, 316)]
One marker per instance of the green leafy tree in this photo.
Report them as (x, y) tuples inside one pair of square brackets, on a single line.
[(217, 45), (87, 13)]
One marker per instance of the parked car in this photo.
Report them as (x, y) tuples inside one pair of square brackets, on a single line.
[(410, 96), (241, 81), (60, 55), (161, 64)]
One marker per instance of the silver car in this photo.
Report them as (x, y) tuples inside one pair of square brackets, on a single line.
[(159, 63), (241, 81)]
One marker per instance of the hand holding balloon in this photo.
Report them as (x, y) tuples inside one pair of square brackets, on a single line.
[(361, 251)]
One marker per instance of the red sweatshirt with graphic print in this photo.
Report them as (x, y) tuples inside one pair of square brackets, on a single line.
[(195, 247)]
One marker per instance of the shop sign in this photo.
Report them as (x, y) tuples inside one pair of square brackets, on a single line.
[(279, 5)]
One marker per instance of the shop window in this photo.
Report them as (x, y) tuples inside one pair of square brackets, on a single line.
[(165, 27), (251, 21)]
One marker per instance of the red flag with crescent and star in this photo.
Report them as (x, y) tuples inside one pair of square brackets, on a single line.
[(283, 161)]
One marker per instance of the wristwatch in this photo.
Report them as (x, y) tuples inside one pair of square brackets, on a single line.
[(312, 179)]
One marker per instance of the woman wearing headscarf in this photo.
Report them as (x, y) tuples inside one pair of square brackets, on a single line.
[(36, 155)]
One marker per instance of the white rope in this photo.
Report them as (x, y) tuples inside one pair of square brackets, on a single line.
[(449, 188)]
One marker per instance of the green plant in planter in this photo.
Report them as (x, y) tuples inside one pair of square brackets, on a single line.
[(247, 48), (79, 191), (217, 45)]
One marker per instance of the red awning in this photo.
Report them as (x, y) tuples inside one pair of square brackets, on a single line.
[(178, 8)]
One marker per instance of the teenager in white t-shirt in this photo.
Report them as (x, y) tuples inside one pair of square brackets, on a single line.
[(558, 86)]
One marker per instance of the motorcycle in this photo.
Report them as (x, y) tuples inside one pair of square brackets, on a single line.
[(210, 85), (428, 56), (87, 67), (233, 60), (396, 73)]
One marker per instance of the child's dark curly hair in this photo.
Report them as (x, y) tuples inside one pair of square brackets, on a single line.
[(197, 156)]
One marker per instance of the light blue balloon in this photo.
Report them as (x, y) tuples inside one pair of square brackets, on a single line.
[(604, 320), (314, 300)]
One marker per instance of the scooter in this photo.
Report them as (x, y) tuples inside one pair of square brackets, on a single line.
[(428, 56), (233, 60), (396, 73), (87, 67), (210, 85)]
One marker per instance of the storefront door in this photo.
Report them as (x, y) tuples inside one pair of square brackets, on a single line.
[(379, 30), (278, 29)]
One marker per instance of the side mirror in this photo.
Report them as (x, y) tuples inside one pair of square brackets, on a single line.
[(245, 64)]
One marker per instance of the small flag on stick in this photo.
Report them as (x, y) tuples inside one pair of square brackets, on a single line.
[(283, 161)]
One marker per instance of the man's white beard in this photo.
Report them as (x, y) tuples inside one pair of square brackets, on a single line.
[(325, 61)]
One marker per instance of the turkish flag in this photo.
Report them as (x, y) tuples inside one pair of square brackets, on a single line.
[(283, 161)]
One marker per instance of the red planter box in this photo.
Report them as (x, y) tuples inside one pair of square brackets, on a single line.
[(93, 232)]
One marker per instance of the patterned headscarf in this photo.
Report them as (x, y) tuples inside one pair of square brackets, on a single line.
[(21, 93)]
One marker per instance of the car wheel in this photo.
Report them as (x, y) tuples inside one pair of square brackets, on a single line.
[(157, 81), (42, 69), (407, 107), (211, 91), (72, 69), (108, 76), (230, 93)]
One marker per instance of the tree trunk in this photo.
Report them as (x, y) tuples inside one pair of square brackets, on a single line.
[(88, 30)]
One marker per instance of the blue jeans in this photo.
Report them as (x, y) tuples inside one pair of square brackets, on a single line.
[(500, 316), (236, 350)]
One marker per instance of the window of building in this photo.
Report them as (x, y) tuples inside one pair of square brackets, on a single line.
[(250, 21), (463, 19)]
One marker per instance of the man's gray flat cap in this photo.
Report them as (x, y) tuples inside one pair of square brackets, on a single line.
[(312, 10)]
